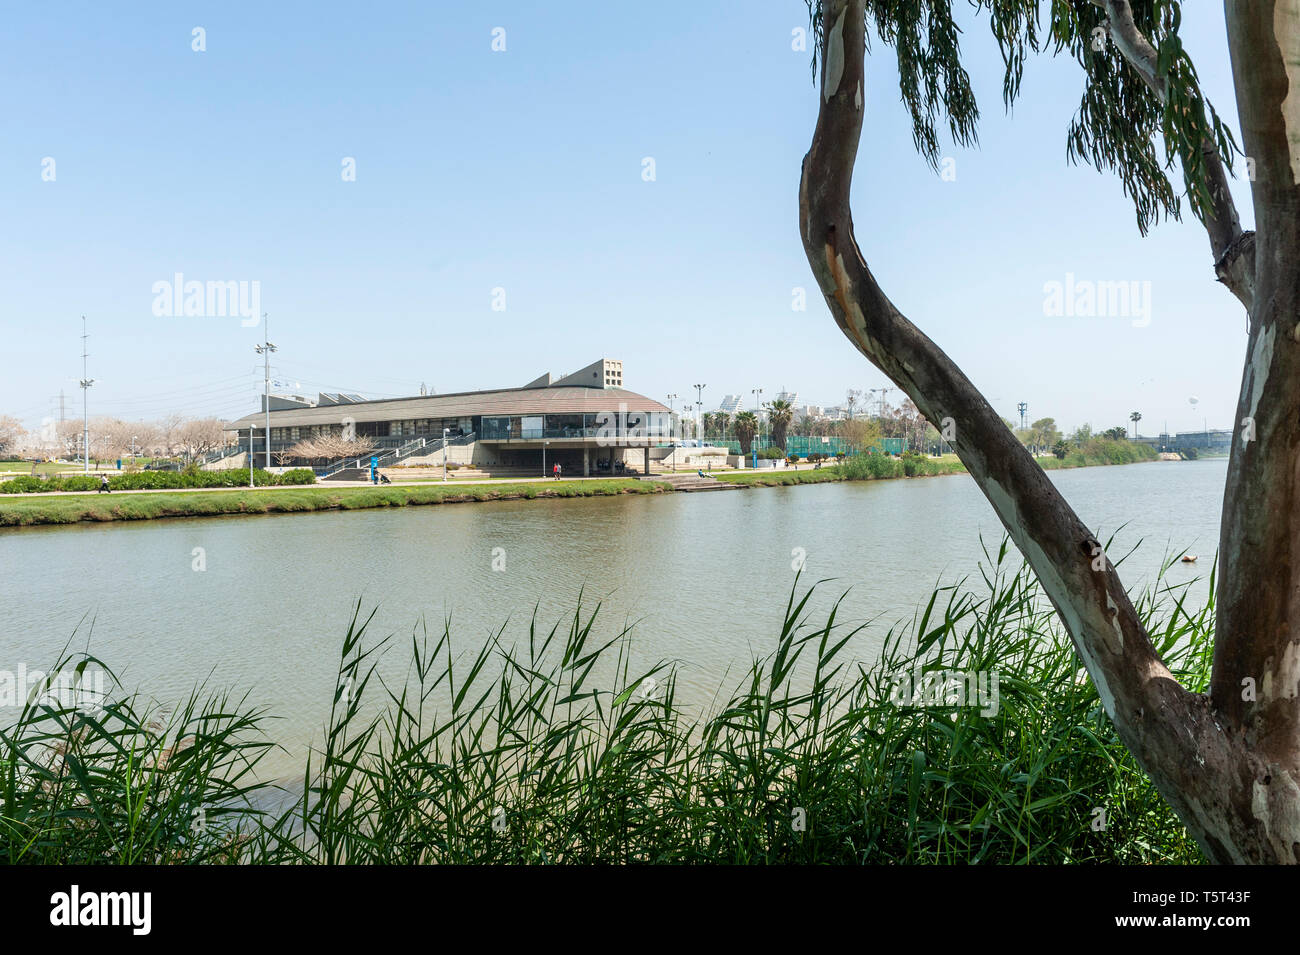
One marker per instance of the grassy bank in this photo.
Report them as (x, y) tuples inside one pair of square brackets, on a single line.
[(499, 754), (18, 511), (1100, 451), (878, 467)]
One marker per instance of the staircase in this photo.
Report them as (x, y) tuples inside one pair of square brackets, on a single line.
[(213, 457), (358, 469), (691, 482)]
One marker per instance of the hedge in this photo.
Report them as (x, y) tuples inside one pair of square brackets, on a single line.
[(157, 481)]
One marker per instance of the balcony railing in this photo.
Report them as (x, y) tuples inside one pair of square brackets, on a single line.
[(573, 434)]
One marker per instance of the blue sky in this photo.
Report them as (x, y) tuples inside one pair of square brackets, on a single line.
[(522, 170)]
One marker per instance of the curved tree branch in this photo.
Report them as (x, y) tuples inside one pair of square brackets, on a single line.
[(1171, 731), (1233, 250)]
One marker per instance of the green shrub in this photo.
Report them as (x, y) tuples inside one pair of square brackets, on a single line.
[(870, 467), (297, 476), (80, 482), (24, 484), (158, 480), (915, 464)]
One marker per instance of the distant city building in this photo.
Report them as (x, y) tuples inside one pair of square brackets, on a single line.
[(811, 411), (1212, 440), (791, 396), (731, 404)]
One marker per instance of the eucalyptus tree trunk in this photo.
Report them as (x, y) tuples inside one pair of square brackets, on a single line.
[(1228, 764)]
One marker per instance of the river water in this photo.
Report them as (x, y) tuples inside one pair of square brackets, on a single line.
[(261, 603)]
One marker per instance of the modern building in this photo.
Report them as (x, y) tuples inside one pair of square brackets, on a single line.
[(587, 422), (1214, 441), (731, 404)]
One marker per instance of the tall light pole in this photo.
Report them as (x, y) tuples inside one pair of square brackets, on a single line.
[(758, 419), (447, 431), (264, 350), (883, 392), (1023, 408), (699, 410), (85, 382)]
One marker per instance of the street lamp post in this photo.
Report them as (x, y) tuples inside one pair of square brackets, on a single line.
[(86, 382), (758, 420), (699, 410), (445, 432), (264, 350)]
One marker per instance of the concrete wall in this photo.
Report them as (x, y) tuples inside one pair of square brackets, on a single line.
[(239, 460), (456, 454), (689, 457)]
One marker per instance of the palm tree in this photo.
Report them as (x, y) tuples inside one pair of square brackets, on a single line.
[(1135, 417), (745, 425), (720, 421), (779, 414)]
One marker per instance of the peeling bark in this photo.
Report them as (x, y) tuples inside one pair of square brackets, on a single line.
[(1240, 805), (1259, 584)]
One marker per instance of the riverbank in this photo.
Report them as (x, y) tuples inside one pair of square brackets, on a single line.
[(78, 508), (63, 508), (882, 468)]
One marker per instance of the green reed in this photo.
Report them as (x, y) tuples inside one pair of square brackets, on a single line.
[(556, 750)]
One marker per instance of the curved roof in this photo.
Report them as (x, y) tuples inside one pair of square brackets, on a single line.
[(504, 402)]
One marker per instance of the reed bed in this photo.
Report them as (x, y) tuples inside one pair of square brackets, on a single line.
[(556, 750)]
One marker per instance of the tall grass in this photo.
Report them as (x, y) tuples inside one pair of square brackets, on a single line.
[(1101, 451), (557, 751)]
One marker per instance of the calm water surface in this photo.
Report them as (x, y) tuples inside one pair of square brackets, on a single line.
[(704, 577)]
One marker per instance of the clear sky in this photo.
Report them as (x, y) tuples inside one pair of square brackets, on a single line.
[(523, 170)]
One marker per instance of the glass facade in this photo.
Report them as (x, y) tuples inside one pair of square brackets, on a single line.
[(625, 425)]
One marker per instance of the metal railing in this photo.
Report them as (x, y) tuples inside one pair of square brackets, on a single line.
[(393, 456), (212, 457)]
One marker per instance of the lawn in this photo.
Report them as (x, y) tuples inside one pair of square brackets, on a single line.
[(75, 508)]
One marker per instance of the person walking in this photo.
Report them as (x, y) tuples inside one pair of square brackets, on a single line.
[(103, 485)]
